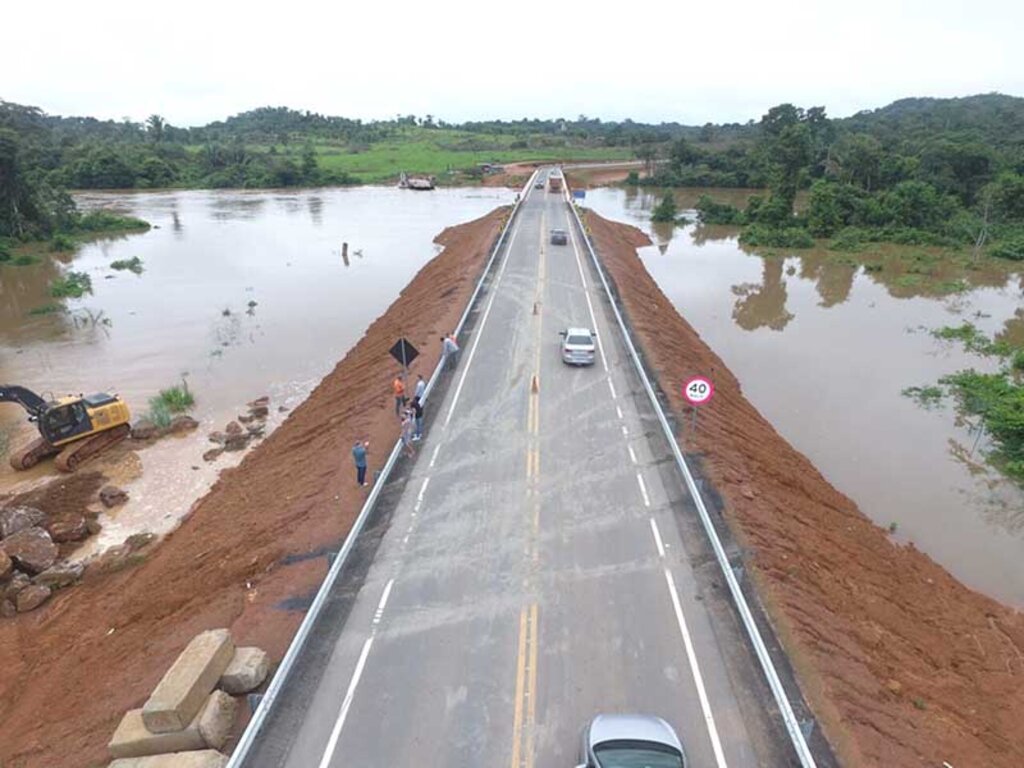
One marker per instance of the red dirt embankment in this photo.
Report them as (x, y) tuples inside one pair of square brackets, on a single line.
[(69, 671), (904, 665), (588, 178)]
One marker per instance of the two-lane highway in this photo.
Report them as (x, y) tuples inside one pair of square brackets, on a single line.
[(535, 570)]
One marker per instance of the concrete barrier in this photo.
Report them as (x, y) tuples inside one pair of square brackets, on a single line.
[(182, 692), (205, 758), (133, 739), (246, 672)]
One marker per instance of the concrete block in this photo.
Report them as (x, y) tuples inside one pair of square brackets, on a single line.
[(216, 718), (204, 758), (133, 739), (182, 692), (246, 672)]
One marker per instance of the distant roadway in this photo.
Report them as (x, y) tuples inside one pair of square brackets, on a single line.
[(539, 567)]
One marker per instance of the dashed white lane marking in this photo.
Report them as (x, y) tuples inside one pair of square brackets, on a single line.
[(625, 432), (643, 490), (632, 455), (478, 334), (618, 410), (383, 602), (612, 388), (698, 679), (434, 457), (657, 538), (423, 489)]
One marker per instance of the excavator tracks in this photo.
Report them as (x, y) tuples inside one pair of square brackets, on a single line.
[(69, 459), (31, 454)]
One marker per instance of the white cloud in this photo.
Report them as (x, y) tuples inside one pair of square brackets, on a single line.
[(199, 61)]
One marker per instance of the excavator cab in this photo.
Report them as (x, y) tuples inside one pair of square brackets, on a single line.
[(74, 427)]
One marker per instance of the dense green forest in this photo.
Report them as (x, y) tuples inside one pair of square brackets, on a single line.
[(918, 170)]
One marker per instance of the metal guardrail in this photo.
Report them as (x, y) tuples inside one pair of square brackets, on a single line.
[(280, 678), (789, 718)]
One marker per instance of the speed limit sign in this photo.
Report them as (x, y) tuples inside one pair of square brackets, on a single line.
[(698, 390)]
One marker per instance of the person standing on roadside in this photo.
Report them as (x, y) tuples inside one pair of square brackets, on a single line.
[(407, 430), (450, 351), (417, 412), (421, 387), (398, 387), (359, 457)]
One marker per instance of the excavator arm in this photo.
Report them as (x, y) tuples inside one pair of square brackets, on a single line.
[(26, 398)]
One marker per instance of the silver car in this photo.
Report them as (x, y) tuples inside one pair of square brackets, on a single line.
[(578, 346), (630, 741)]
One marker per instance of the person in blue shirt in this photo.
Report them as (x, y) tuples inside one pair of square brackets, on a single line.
[(359, 456)]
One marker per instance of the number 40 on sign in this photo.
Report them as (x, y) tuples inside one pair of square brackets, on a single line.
[(698, 391)]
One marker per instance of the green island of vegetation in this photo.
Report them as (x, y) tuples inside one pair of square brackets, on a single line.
[(997, 399)]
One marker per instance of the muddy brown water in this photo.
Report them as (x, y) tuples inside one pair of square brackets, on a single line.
[(243, 294), (824, 349)]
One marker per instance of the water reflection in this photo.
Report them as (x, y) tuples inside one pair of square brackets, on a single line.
[(829, 375), (763, 305)]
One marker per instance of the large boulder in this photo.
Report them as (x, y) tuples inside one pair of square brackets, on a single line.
[(212, 454), (31, 549), (7, 609), (233, 428), (31, 597), (60, 575), (71, 527), (236, 442), (6, 565), (111, 496), (200, 758), (14, 519), (185, 687), (246, 672)]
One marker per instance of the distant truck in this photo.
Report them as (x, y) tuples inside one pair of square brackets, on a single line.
[(555, 181)]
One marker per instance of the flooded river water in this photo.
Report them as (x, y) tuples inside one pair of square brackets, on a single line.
[(824, 349), (242, 294)]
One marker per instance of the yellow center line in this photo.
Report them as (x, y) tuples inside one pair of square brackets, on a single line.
[(525, 706)]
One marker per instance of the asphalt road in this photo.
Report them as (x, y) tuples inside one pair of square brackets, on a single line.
[(538, 567)]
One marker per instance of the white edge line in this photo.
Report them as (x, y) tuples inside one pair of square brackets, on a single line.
[(433, 458), (643, 489), (657, 538), (423, 489), (479, 331), (618, 410), (612, 388), (698, 679), (332, 743)]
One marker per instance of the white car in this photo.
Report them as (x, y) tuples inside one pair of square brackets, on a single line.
[(578, 346), (630, 741)]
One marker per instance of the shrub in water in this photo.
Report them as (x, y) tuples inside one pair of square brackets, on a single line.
[(73, 285)]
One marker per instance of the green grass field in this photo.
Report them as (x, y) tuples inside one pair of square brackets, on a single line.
[(438, 151)]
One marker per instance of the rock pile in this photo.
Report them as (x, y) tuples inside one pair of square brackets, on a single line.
[(189, 716), (32, 546), (29, 553), (145, 429), (237, 435)]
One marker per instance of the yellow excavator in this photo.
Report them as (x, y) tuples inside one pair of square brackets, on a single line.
[(74, 427)]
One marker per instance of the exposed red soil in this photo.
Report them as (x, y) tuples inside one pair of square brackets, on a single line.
[(588, 178), (904, 665), (70, 670)]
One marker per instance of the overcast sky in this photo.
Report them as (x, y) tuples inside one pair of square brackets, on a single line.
[(194, 62)]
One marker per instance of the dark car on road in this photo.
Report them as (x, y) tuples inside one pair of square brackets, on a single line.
[(630, 741), (559, 237)]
